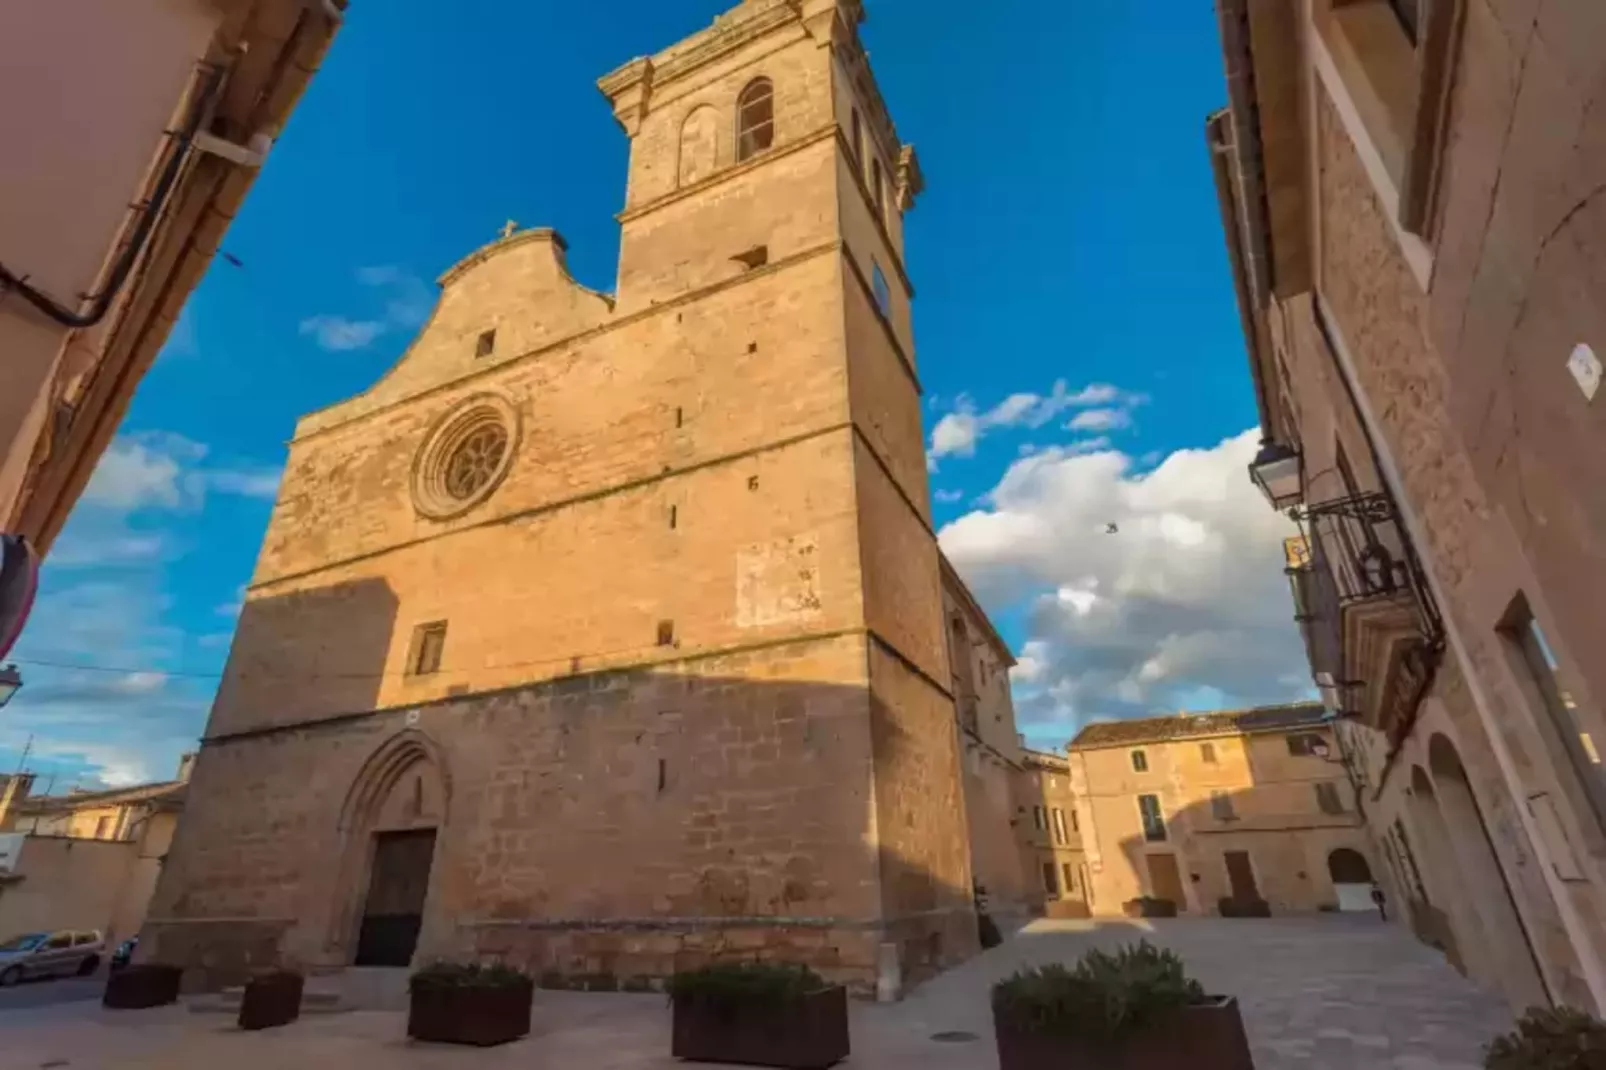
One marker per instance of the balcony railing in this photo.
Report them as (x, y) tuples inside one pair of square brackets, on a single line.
[(1372, 629)]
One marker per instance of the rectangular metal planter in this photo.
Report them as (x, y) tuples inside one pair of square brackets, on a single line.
[(808, 1033), (1209, 1036), (1147, 906), (146, 984), (480, 1016), (1243, 908), (271, 1000)]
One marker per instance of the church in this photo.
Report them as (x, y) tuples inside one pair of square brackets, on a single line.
[(608, 634)]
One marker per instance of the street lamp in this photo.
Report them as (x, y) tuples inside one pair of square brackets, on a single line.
[(1276, 471), (10, 682)]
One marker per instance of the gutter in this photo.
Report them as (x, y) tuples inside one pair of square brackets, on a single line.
[(262, 90), (1235, 156), (1223, 156)]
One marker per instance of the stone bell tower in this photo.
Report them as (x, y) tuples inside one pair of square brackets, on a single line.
[(604, 633)]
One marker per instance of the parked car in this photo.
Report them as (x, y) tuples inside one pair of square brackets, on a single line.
[(124, 953), (64, 953)]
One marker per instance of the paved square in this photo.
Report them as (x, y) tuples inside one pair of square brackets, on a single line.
[(1321, 993)]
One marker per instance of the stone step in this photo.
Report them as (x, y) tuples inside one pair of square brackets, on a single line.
[(228, 1002)]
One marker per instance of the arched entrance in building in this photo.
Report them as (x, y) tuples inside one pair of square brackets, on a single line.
[(1488, 891), (1352, 879), (388, 830), (1442, 915)]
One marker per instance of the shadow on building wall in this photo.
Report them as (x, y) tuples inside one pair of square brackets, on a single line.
[(600, 828)]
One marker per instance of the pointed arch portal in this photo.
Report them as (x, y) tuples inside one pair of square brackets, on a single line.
[(388, 832)]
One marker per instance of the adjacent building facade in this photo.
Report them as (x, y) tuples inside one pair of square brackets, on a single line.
[(1211, 809), (176, 102), (87, 860), (607, 633), (1049, 836), (1413, 208)]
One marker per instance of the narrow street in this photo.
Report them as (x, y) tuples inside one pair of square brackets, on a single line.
[(1319, 993)]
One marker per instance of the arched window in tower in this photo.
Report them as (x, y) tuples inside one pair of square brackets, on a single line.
[(755, 119), (699, 145)]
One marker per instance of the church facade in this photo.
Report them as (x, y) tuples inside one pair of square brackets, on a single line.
[(605, 634)]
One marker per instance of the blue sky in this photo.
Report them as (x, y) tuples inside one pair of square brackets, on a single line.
[(1076, 325)]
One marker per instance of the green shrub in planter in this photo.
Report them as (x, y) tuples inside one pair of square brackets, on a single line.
[(452, 1003), (1559, 1038), (758, 1013), (1134, 1008)]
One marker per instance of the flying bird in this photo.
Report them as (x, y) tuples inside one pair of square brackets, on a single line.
[(1112, 529)]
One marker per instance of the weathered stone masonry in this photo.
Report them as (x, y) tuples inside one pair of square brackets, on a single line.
[(634, 600)]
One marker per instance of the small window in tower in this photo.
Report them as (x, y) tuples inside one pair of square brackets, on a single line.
[(878, 188), (755, 119), (883, 293), (666, 633), (1140, 762), (429, 642), (858, 138), (486, 344), (756, 257), (1328, 800)]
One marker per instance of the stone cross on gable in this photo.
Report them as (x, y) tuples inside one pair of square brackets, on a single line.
[(508, 228)]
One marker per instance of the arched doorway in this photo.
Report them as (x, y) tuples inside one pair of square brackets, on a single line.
[(1442, 915), (1347, 868), (1513, 961), (388, 833)]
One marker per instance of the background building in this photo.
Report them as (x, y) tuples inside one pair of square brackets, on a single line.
[(1197, 808), (1048, 836), (88, 859), (606, 634), (992, 753), (176, 102), (1413, 208)]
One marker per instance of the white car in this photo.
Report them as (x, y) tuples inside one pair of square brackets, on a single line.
[(64, 953)]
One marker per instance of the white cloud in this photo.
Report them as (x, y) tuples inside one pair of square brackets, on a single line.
[(246, 482), (337, 333), (948, 497), (957, 433), (155, 470), (1100, 420), (95, 727), (408, 300), (142, 470), (1186, 598)]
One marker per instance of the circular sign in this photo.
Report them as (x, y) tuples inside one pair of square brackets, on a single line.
[(19, 580)]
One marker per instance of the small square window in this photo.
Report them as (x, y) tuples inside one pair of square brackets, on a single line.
[(1140, 762), (486, 345), (1153, 820), (883, 293), (1303, 744), (666, 633), (753, 258), (429, 643)]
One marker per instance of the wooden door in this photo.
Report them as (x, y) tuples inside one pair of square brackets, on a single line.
[(1241, 875), (394, 910), (1165, 881)]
